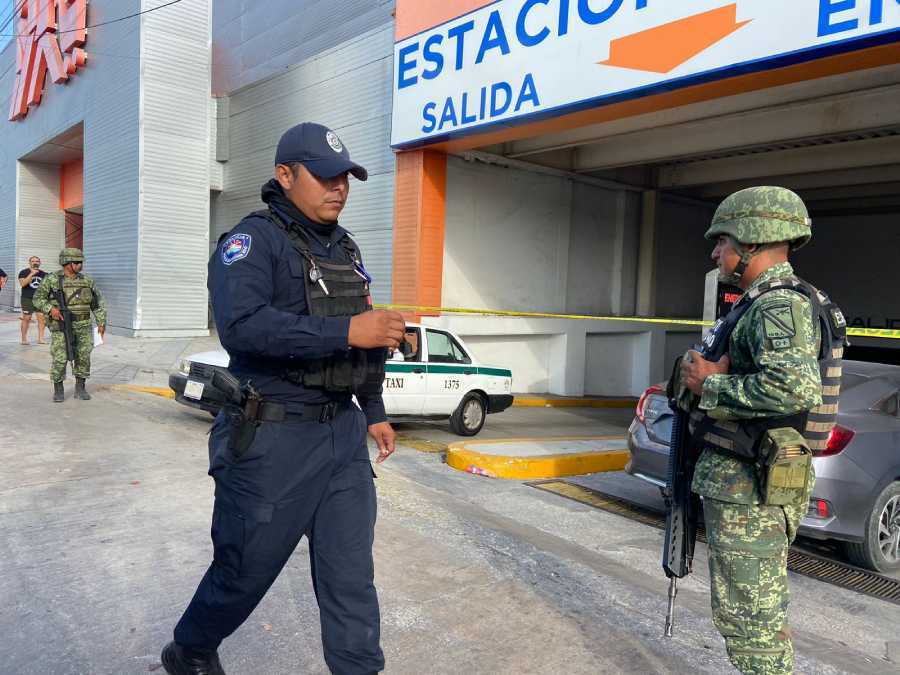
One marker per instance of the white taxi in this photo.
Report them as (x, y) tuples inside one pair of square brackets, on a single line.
[(438, 378)]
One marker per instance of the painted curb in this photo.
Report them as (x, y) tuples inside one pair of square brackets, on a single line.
[(165, 392), (463, 459), (537, 402)]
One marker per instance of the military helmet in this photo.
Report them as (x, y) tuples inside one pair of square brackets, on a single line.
[(763, 215), (68, 255)]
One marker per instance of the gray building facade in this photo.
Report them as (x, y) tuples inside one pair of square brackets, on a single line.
[(171, 125)]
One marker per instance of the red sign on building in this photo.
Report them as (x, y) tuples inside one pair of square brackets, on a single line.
[(50, 35)]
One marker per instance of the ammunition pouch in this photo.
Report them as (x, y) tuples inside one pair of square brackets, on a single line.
[(786, 461), (341, 373)]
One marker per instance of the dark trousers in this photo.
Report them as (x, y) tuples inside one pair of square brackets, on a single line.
[(297, 478)]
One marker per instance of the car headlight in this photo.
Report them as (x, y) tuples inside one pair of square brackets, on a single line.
[(185, 366)]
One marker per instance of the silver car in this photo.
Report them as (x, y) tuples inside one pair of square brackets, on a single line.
[(856, 500)]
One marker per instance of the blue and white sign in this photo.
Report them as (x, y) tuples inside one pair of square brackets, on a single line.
[(518, 59)]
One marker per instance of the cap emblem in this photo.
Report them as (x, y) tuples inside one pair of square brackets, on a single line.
[(334, 141)]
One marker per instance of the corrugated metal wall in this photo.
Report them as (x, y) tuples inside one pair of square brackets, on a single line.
[(348, 88), (105, 95), (41, 230), (253, 40), (175, 171)]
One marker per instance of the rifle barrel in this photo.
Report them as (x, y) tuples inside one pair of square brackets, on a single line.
[(670, 612)]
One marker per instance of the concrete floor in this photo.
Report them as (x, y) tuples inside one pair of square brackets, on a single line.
[(104, 533)]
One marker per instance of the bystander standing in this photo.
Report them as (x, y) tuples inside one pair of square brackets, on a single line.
[(29, 279)]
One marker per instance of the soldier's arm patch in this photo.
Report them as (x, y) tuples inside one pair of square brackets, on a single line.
[(779, 326)]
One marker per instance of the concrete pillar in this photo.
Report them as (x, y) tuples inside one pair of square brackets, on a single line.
[(567, 360), (646, 284), (648, 361), (420, 191)]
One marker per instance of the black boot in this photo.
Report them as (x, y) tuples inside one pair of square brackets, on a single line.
[(80, 391), (178, 660), (59, 393)]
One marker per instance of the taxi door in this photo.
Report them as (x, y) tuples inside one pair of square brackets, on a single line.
[(450, 373), (404, 379)]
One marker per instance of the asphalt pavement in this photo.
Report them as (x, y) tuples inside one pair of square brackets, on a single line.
[(104, 532)]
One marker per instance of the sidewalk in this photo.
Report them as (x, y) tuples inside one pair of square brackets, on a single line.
[(120, 360)]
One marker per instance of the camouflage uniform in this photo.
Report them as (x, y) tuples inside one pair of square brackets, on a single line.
[(84, 339), (774, 372)]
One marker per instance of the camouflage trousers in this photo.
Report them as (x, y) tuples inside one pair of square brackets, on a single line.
[(748, 547), (84, 344)]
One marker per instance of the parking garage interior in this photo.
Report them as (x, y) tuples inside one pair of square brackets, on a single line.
[(607, 219)]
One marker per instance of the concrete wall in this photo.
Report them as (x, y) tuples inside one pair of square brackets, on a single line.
[(853, 258), (682, 258), (523, 241), (573, 357)]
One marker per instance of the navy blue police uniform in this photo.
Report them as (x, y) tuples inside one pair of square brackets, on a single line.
[(308, 473)]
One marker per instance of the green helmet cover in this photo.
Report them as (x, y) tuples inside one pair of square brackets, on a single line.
[(68, 255), (763, 215)]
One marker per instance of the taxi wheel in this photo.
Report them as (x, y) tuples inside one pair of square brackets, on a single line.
[(468, 418)]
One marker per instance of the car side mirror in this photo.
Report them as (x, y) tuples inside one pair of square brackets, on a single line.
[(397, 355), (405, 349)]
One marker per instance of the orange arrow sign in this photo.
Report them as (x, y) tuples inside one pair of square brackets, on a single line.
[(664, 48)]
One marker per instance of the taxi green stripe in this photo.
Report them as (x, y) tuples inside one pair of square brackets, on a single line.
[(446, 369)]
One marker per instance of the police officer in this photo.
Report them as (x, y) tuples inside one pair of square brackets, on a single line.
[(290, 296), (80, 296), (759, 410)]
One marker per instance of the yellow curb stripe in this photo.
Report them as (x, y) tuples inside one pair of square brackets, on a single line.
[(537, 402), (165, 392), (547, 466)]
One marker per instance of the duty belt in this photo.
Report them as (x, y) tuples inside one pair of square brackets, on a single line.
[(271, 411)]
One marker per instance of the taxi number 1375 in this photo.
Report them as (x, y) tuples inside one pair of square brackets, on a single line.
[(451, 384)]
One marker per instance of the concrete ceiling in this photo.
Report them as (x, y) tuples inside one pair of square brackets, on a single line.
[(836, 132), (66, 147)]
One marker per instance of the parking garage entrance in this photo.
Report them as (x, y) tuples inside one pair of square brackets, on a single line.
[(600, 210)]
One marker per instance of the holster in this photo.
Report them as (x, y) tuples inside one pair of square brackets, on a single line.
[(241, 430), (242, 422), (785, 471)]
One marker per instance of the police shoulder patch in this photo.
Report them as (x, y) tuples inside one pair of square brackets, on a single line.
[(235, 247), (778, 322)]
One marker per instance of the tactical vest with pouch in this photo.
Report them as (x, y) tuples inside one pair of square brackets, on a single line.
[(79, 296), (333, 289), (742, 438)]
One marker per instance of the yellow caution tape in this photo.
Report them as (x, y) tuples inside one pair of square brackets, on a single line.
[(543, 315), (853, 332)]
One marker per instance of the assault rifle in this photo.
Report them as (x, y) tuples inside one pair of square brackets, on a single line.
[(68, 330), (682, 504)]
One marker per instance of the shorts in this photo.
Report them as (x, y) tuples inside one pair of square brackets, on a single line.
[(28, 306)]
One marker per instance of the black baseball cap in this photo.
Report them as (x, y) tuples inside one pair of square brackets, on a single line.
[(319, 149)]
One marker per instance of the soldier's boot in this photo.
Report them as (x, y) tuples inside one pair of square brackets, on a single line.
[(80, 391), (59, 393), (178, 660)]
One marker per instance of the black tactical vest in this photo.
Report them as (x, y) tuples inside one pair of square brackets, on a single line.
[(332, 289), (740, 438)]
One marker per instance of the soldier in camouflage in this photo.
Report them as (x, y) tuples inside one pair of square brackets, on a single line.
[(82, 297), (770, 371)]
